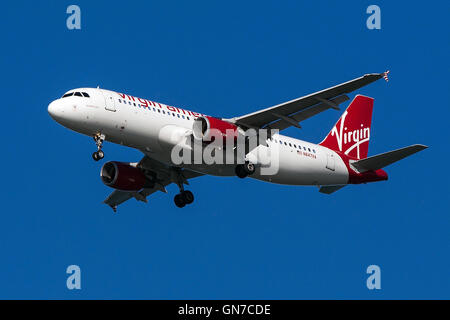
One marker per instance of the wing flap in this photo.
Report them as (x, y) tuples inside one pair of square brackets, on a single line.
[(309, 112)]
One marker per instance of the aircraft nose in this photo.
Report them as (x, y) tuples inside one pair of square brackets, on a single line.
[(55, 110)]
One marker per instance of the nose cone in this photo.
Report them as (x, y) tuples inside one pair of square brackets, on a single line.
[(55, 110)]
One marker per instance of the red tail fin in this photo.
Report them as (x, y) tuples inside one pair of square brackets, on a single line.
[(351, 133)]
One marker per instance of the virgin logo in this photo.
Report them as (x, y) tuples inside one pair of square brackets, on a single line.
[(349, 140)]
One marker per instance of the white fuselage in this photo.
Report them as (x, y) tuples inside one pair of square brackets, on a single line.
[(156, 128)]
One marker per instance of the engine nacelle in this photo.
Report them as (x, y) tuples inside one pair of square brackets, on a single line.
[(206, 128), (123, 176)]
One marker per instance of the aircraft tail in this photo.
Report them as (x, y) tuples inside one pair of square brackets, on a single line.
[(351, 133)]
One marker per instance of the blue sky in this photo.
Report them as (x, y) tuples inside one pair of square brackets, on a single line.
[(241, 239)]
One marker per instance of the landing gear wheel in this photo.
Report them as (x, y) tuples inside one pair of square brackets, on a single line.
[(96, 156), (100, 154), (249, 168), (187, 196), (179, 201), (240, 171)]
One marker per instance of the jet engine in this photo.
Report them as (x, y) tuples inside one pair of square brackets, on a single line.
[(207, 129), (123, 176)]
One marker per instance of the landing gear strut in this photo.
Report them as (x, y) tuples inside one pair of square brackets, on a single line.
[(244, 170), (99, 154), (185, 196)]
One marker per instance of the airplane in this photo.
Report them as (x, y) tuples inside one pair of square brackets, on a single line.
[(156, 129)]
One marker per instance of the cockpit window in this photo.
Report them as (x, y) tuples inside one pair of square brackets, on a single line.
[(77, 94)]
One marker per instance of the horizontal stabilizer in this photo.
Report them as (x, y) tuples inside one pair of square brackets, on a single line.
[(330, 189), (384, 159)]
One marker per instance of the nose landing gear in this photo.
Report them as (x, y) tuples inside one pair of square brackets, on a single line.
[(99, 154)]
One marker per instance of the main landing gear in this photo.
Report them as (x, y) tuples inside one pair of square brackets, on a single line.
[(183, 198), (244, 170), (99, 154)]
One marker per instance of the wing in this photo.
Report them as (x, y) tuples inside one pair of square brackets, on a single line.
[(165, 175), (290, 113)]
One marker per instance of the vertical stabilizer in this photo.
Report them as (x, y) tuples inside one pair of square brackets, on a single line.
[(351, 134)]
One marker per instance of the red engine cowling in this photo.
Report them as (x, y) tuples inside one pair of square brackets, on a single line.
[(207, 128), (122, 176)]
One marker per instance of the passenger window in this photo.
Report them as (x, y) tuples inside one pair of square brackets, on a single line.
[(159, 111), (309, 149), (281, 142), (314, 150), (290, 145), (120, 101), (77, 94), (188, 118)]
